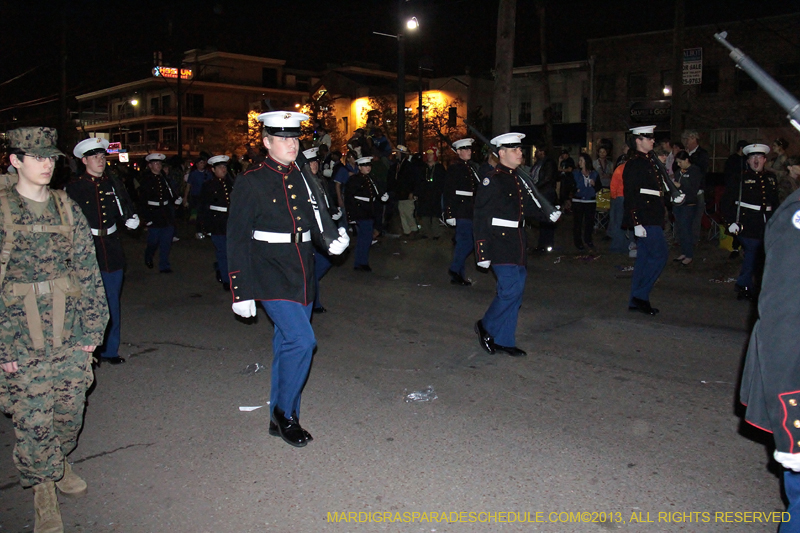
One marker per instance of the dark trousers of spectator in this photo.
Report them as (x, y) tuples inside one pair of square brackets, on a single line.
[(684, 219), (583, 223)]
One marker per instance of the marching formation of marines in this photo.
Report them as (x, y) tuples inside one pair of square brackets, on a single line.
[(274, 228)]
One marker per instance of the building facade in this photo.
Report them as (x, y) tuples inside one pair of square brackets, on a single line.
[(632, 83)]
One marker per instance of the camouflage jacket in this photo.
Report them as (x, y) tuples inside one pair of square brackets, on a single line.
[(38, 257)]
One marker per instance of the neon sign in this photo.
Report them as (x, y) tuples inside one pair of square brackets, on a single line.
[(171, 72)]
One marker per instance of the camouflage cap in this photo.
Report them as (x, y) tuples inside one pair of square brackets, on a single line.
[(35, 141)]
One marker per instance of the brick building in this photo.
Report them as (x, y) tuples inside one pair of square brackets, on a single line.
[(631, 73)]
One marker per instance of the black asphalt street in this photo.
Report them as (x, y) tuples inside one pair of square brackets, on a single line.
[(613, 417)]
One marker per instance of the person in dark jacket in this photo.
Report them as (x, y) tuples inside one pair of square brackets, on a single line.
[(158, 201), (106, 205), (643, 188), (688, 179), (271, 222), (403, 181), (771, 375), (545, 176), (429, 194), (501, 205), (361, 197), (746, 209), (581, 191), (322, 261), (212, 217), (460, 183)]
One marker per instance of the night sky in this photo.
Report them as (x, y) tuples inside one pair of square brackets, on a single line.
[(113, 42)]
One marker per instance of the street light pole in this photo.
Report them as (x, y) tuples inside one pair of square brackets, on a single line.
[(401, 78)]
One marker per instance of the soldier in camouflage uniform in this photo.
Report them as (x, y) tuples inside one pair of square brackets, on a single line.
[(53, 314)]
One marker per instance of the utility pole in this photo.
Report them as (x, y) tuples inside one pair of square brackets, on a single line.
[(401, 77), (504, 62), (676, 122)]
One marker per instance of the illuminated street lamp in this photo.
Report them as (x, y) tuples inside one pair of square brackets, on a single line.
[(412, 24)]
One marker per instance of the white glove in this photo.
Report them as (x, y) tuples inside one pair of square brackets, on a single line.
[(337, 215), (554, 216), (734, 228), (328, 172), (788, 460), (133, 222), (385, 197), (245, 309), (679, 199), (338, 246), (149, 223), (178, 201), (450, 222), (484, 264), (639, 231)]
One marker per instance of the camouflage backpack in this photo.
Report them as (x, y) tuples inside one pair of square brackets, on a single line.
[(66, 228)]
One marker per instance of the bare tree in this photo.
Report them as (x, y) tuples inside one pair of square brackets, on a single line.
[(504, 63)]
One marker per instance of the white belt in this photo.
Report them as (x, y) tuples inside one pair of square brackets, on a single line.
[(104, 232), (464, 193), (218, 208), (362, 198), (158, 204), (753, 206), (270, 237), (506, 223), (584, 201), (651, 192)]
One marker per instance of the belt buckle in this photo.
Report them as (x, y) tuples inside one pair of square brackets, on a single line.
[(297, 237)]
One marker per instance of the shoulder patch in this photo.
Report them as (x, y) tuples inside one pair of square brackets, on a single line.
[(796, 219), (486, 181)]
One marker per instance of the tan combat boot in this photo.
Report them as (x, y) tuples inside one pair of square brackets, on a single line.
[(71, 485), (48, 515)]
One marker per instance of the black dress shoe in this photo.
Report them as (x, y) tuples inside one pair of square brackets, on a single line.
[(643, 306), (273, 430), (112, 360), (458, 279), (362, 268), (289, 429), (485, 339), (166, 271), (148, 264), (320, 309), (513, 351)]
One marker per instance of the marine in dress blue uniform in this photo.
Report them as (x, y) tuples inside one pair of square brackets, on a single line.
[(158, 202), (747, 209), (361, 197), (501, 205), (212, 215), (108, 208), (271, 223), (645, 210), (460, 183), (322, 261), (771, 377)]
